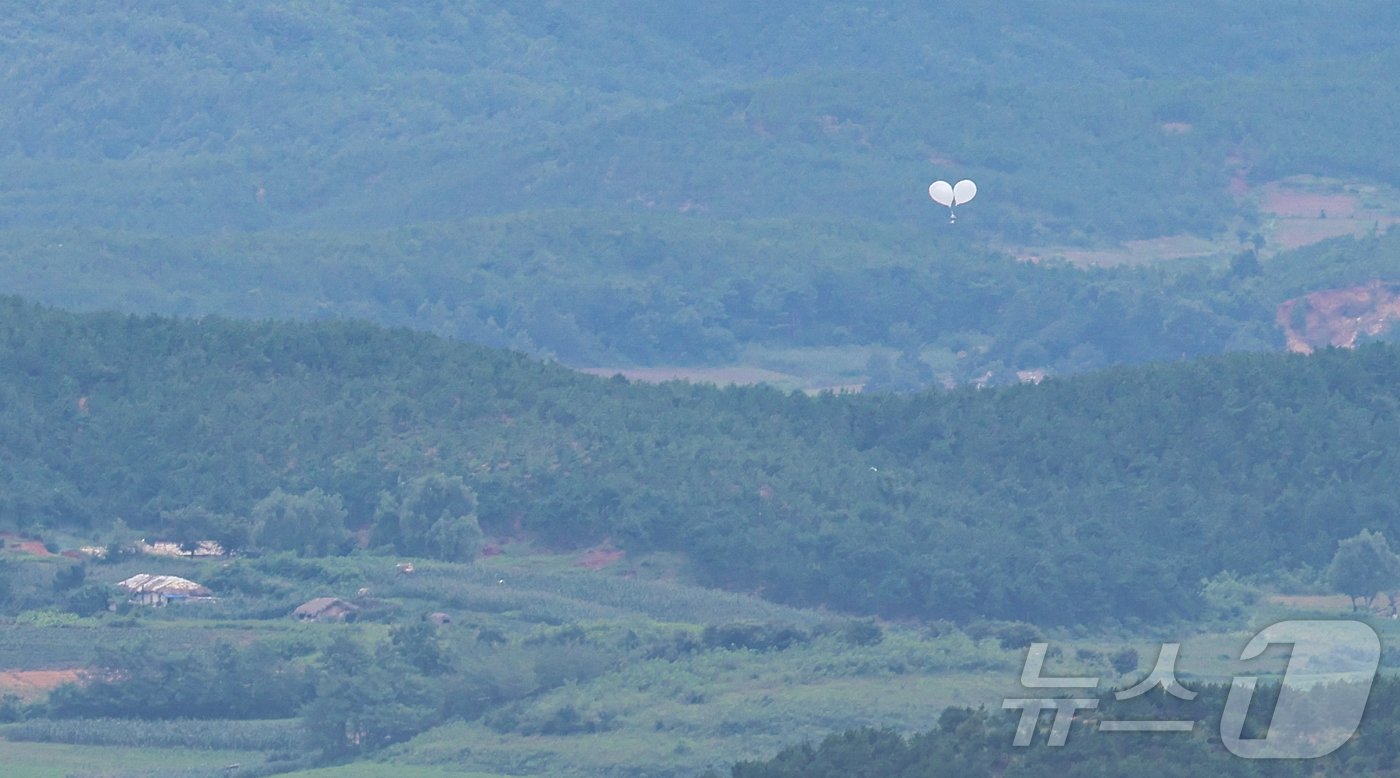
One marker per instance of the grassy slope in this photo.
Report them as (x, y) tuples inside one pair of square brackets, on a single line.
[(49, 760), (667, 717)]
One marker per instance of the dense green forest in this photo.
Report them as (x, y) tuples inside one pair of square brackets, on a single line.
[(175, 116), (650, 289), (631, 183), (1106, 496)]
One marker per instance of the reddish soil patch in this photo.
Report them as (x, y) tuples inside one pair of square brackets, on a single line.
[(1338, 317), (601, 557), (1295, 233), (32, 684), (1309, 210), (1288, 202), (28, 545)]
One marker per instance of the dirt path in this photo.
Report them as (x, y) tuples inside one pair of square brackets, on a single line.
[(27, 545), (33, 684)]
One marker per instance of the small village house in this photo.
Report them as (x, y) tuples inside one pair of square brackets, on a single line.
[(157, 590), (326, 609)]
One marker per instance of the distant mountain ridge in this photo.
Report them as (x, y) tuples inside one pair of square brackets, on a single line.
[(189, 118), (555, 178)]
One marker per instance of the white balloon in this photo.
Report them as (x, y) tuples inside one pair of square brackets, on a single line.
[(964, 191), (941, 192)]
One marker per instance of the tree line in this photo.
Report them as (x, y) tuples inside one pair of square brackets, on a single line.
[(1103, 496)]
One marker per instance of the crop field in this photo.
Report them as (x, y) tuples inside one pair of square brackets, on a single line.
[(30, 647), (48, 760), (674, 709), (675, 713)]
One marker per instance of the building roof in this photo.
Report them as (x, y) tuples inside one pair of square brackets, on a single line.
[(164, 584), (318, 606)]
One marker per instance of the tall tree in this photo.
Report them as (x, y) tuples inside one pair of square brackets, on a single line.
[(309, 524), (1363, 566), (435, 517)]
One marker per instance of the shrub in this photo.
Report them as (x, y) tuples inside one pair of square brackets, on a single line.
[(862, 633), (757, 637), (1010, 635), (1125, 660)]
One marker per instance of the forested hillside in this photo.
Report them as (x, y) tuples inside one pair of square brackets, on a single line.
[(1105, 496), (314, 452), (646, 289), (176, 116), (634, 183)]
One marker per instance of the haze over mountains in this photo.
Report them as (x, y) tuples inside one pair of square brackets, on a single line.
[(350, 115), (307, 283), (711, 186), (631, 183)]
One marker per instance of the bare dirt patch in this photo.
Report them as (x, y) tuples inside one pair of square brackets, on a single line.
[(600, 557), (1308, 209), (1338, 317), (1283, 200), (33, 684), (27, 545), (722, 376), (1295, 233)]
